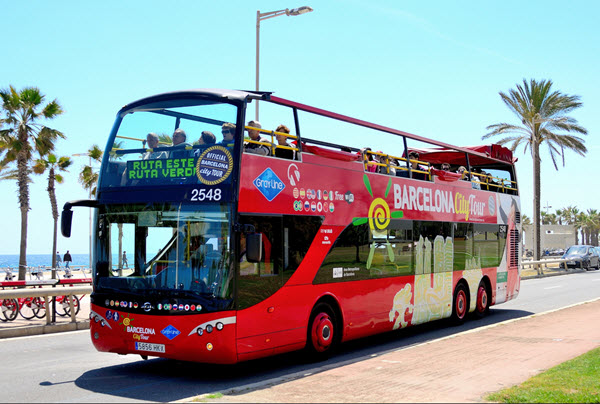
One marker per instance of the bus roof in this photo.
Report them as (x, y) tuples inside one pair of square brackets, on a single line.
[(487, 153)]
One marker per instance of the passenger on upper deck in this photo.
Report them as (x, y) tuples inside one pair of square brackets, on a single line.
[(152, 142), (207, 138), (463, 172), (255, 136), (445, 166), (179, 142), (228, 131), (368, 160), (414, 157), (282, 140)]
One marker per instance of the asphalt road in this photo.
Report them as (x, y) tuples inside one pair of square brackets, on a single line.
[(66, 368)]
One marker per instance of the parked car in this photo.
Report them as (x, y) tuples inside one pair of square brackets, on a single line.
[(581, 256)]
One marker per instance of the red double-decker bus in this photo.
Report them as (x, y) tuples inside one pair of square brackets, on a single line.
[(325, 230)]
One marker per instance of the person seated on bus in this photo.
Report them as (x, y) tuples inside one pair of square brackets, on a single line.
[(152, 142), (368, 160), (179, 143), (445, 167), (283, 141), (463, 172), (414, 157), (228, 131), (254, 134), (488, 182), (207, 138), (383, 169), (476, 179)]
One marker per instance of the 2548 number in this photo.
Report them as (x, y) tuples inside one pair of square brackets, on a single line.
[(199, 195)]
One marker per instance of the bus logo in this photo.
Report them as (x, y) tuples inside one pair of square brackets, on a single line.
[(269, 184), (170, 332), (214, 165)]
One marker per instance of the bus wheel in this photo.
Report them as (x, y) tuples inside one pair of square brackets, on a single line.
[(321, 332), (460, 304), (483, 302)]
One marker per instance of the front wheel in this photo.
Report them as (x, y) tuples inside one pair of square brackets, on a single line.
[(64, 309), (28, 309), (322, 332), (460, 304)]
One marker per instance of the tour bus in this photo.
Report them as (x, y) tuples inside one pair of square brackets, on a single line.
[(234, 255)]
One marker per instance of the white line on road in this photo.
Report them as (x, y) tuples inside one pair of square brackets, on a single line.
[(553, 287)]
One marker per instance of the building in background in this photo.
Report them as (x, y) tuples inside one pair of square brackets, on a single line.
[(554, 236)]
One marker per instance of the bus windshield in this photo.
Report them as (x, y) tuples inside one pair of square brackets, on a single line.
[(146, 249), (176, 143)]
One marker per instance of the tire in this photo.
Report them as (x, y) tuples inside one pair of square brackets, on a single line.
[(41, 305), (28, 309), (460, 304), (10, 309), (483, 300), (322, 333), (63, 309)]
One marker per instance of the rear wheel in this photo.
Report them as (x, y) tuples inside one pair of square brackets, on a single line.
[(460, 304), (322, 332), (483, 300), (10, 309), (41, 304)]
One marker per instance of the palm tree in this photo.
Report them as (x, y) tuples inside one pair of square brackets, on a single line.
[(52, 164), (526, 219), (543, 117), (23, 134), (88, 178)]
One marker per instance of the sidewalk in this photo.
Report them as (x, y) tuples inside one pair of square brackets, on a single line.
[(460, 368), (23, 327)]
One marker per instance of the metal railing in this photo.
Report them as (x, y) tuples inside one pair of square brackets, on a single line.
[(541, 264), (46, 293)]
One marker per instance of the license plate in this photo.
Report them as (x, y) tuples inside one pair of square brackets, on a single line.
[(144, 346), (570, 262)]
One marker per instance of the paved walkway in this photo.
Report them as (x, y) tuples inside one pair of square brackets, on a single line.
[(460, 368)]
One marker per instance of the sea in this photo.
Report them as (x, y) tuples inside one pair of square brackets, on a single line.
[(42, 260)]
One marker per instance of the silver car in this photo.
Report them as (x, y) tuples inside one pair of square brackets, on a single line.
[(581, 256)]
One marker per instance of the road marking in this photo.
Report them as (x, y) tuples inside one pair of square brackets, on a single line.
[(54, 334), (553, 287)]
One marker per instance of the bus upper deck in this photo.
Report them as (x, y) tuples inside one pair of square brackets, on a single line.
[(130, 162)]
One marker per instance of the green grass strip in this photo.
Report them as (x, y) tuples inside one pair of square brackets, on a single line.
[(574, 381)]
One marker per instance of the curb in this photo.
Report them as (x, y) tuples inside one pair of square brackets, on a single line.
[(43, 329), (553, 273)]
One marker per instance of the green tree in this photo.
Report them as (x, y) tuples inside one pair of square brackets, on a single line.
[(88, 178), (52, 164), (526, 219), (22, 133), (543, 116)]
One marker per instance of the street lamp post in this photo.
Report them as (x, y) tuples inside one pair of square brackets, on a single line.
[(265, 16), (89, 197)]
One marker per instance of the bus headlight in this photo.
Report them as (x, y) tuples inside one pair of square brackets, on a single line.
[(219, 326), (209, 328), (200, 331)]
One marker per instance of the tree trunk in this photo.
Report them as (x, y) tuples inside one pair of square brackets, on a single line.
[(23, 182), (52, 194), (536, 201)]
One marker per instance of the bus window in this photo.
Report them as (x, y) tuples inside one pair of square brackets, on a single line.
[(433, 245), (285, 241)]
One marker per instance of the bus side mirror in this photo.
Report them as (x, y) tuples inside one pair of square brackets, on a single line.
[(65, 222), (254, 247)]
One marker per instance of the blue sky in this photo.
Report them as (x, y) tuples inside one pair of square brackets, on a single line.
[(430, 68)]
